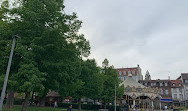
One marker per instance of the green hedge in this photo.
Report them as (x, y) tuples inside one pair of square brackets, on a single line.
[(88, 106), (16, 101)]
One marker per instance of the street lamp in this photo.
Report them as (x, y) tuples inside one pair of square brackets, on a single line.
[(115, 99), (7, 72)]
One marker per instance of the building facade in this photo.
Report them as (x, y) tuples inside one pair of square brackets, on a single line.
[(177, 90), (184, 79), (164, 85), (138, 96), (135, 71)]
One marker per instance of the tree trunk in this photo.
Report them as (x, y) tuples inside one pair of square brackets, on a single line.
[(42, 101), (79, 104), (104, 104), (31, 103), (10, 100), (24, 107)]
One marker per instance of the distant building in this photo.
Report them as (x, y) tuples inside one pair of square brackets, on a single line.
[(164, 85), (172, 91), (177, 90), (139, 96), (135, 71), (147, 76), (184, 79)]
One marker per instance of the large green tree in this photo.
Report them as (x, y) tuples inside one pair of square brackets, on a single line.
[(110, 81), (92, 80), (30, 79), (50, 40)]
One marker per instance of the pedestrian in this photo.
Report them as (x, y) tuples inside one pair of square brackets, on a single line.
[(126, 107), (166, 107), (55, 104), (172, 107), (70, 108)]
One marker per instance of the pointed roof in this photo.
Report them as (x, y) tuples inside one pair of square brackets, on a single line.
[(131, 82), (147, 76), (147, 72)]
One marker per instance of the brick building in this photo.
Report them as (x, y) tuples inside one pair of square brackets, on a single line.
[(135, 71), (177, 90), (164, 85), (184, 79)]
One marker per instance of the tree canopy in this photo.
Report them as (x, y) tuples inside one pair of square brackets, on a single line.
[(110, 81), (49, 56)]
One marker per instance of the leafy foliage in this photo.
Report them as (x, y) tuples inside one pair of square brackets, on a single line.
[(110, 81), (30, 78), (92, 80)]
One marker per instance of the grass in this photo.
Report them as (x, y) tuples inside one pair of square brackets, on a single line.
[(18, 108)]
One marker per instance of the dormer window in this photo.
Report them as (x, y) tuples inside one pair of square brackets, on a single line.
[(124, 73), (165, 84), (154, 84), (129, 72), (133, 72), (173, 84), (120, 73), (161, 84)]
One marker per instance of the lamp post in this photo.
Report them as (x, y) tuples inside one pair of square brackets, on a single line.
[(115, 99), (7, 72)]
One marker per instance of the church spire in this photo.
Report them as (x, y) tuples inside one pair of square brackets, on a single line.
[(147, 76)]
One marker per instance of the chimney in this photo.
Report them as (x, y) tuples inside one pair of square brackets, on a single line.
[(138, 65), (168, 77)]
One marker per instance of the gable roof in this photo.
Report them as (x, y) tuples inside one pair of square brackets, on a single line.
[(131, 82)]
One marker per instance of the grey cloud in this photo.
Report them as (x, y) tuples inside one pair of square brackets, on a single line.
[(152, 33)]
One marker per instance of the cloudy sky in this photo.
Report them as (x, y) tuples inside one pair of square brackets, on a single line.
[(151, 33)]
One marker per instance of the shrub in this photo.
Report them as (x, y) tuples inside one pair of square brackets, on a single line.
[(187, 105), (88, 106)]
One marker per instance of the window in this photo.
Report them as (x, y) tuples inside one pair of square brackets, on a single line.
[(175, 96), (161, 84), (151, 84), (129, 72), (174, 90), (173, 84), (161, 92), (165, 84), (145, 84), (124, 73), (179, 84), (157, 83), (181, 96), (186, 81), (120, 73), (177, 89), (181, 90), (124, 78), (154, 84), (133, 72), (166, 92)]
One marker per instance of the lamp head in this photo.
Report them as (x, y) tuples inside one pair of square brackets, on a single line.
[(16, 36)]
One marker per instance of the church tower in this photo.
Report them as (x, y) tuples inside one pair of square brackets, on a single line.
[(147, 76)]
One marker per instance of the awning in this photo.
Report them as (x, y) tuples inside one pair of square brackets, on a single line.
[(166, 100)]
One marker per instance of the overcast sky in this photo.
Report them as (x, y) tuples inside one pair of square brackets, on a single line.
[(151, 33)]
